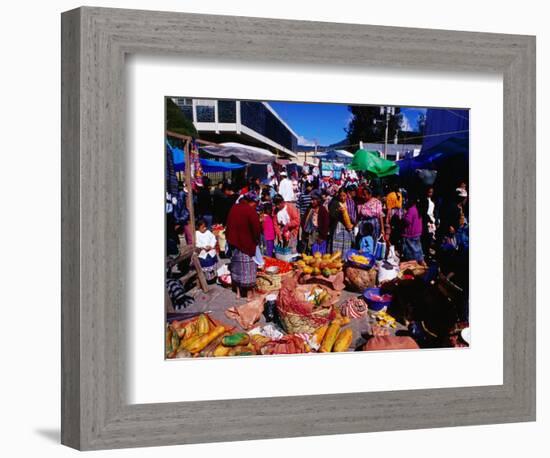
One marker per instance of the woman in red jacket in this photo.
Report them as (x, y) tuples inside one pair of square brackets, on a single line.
[(316, 225), (287, 222), (243, 234)]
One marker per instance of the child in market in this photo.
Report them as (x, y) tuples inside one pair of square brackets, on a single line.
[(205, 243), (366, 244), (268, 228)]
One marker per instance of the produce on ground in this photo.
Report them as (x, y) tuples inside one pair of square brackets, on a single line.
[(320, 264), (343, 341), (184, 337), (384, 319), (330, 336), (239, 338), (284, 267), (202, 341), (319, 334), (360, 259)]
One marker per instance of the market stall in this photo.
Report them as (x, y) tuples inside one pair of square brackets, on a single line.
[(333, 161), (313, 305)]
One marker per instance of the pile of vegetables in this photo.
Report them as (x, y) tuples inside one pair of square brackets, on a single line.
[(189, 338), (332, 338), (320, 264), (384, 319), (360, 259), (284, 267), (318, 297)]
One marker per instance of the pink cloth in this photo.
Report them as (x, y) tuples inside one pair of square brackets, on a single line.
[(268, 227), (371, 208), (413, 223)]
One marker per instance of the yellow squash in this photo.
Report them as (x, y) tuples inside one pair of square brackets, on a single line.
[(330, 337), (221, 350), (343, 341), (202, 325), (320, 333), (204, 340)]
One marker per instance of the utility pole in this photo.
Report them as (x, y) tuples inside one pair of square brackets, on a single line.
[(386, 136)]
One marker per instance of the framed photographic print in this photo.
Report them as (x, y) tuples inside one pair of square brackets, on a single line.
[(312, 227)]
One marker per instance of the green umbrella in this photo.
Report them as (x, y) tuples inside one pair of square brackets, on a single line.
[(369, 161)]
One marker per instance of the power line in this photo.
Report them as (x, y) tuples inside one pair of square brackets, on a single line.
[(408, 138)]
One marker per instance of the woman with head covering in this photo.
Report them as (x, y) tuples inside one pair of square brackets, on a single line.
[(243, 234), (316, 225)]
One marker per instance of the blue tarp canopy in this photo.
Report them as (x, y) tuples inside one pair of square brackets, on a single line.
[(443, 124), (450, 158), (436, 156), (208, 165)]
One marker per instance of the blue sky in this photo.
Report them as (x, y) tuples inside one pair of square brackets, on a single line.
[(324, 122)]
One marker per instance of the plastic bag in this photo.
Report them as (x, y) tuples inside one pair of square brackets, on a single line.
[(387, 271), (392, 258), (380, 249)]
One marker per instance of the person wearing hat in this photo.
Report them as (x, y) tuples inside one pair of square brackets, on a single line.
[(315, 225), (243, 234), (286, 188)]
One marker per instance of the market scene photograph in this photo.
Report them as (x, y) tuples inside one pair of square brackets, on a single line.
[(300, 228)]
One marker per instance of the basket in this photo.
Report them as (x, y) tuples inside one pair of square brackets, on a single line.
[(360, 279), (266, 282), (294, 323), (299, 316)]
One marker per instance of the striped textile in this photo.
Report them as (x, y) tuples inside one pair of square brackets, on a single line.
[(209, 267), (342, 239), (243, 269), (304, 202), (352, 209)]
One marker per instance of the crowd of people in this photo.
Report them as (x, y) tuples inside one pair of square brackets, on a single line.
[(309, 214)]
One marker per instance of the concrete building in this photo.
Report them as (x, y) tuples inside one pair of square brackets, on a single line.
[(247, 122)]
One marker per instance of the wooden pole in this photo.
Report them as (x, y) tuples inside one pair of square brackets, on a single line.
[(191, 209), (188, 182)]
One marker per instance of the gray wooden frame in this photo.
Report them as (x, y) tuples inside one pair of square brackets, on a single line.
[(95, 413)]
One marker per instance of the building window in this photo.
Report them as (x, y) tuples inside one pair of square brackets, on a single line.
[(227, 111), (205, 113), (257, 117)]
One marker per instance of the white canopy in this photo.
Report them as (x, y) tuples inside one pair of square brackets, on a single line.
[(245, 153), (335, 154)]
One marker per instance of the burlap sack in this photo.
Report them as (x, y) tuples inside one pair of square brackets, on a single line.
[(359, 279), (297, 314)]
